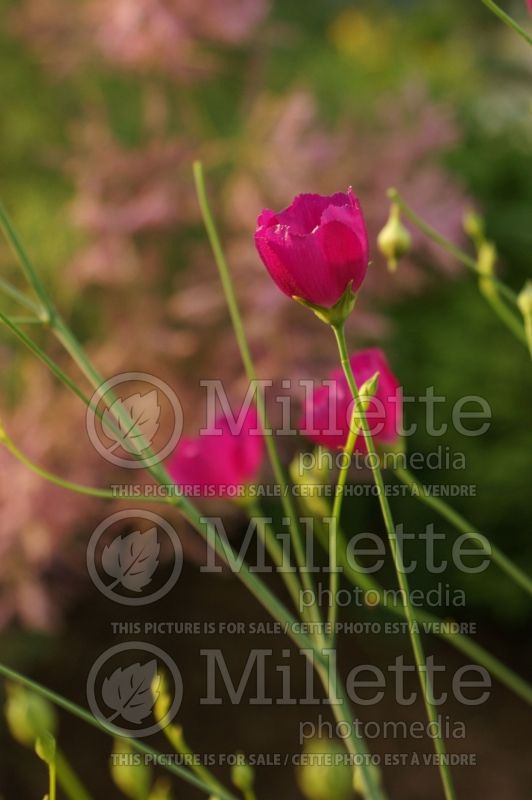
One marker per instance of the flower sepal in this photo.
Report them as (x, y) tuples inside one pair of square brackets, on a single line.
[(338, 313)]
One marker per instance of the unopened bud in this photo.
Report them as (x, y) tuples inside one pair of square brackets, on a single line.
[(325, 773), (473, 225), (242, 775), (129, 773), (394, 240), (524, 302), (28, 715), (524, 299)]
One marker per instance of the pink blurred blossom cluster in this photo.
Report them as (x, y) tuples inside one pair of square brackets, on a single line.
[(166, 36)]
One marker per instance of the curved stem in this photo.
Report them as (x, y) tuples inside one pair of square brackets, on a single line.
[(415, 638), (451, 248), (490, 292), (78, 488), (504, 17), (68, 779), (335, 523), (462, 524), (245, 353)]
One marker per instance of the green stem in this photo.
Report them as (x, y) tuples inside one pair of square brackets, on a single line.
[(21, 298), (68, 779), (340, 708), (24, 260), (136, 744), (275, 550), (415, 639), (174, 734), (25, 321), (504, 17), (462, 524), (489, 291), (245, 353), (78, 488), (451, 248), (54, 368), (335, 523)]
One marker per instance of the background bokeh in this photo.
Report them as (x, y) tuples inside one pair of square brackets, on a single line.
[(105, 106)]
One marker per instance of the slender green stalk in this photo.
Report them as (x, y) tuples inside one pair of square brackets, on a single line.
[(275, 550), (504, 17), (335, 523), (86, 716), (24, 260), (78, 488), (240, 334), (415, 639), (490, 292), (68, 780), (451, 248), (174, 734), (54, 368), (21, 298), (370, 785), (464, 526), (25, 321)]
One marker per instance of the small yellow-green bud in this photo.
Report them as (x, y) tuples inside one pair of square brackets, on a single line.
[(311, 471), (28, 715), (319, 778), (45, 747), (394, 240), (129, 772), (524, 300), (242, 775), (473, 225), (162, 790), (487, 256)]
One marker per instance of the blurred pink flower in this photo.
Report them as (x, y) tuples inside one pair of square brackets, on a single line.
[(316, 247), (221, 459), (327, 414)]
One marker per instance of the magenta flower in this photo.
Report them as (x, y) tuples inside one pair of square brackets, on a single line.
[(327, 413), (315, 247), (217, 464)]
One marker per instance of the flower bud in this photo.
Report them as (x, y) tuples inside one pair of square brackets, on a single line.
[(28, 715), (45, 747), (161, 790), (312, 477), (132, 777), (394, 240), (242, 775), (486, 258), (324, 774), (524, 301), (473, 225)]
